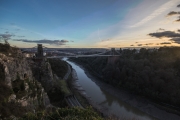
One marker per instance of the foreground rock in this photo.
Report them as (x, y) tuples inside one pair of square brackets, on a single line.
[(20, 91)]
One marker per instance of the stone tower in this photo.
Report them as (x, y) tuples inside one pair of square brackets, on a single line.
[(39, 50)]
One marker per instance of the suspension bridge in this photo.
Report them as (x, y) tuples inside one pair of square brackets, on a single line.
[(106, 53)]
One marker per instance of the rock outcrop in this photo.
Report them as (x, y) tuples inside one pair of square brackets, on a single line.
[(25, 91)]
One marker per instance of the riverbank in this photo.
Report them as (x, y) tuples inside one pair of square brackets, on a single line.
[(83, 98), (102, 101), (134, 100)]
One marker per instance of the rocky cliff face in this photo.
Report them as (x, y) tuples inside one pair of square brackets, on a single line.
[(43, 73), (20, 89)]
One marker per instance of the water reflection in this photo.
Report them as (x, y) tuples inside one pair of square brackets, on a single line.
[(121, 108), (113, 104)]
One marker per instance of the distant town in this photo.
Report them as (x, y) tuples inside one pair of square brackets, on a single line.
[(30, 52)]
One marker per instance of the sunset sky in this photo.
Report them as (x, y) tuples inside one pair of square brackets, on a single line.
[(90, 23)]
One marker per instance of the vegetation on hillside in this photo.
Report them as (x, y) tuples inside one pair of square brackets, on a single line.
[(59, 67), (57, 95), (2, 74), (64, 88), (65, 114), (152, 73), (6, 49), (8, 108)]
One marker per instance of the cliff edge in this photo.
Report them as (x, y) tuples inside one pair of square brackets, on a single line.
[(20, 91)]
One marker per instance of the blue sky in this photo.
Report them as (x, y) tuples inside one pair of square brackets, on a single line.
[(85, 23)]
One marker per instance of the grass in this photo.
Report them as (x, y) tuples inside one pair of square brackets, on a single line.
[(75, 113), (64, 88), (65, 114)]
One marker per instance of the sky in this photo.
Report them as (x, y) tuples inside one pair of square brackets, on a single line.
[(90, 23)]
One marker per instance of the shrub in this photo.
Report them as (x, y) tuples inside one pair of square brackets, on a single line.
[(59, 67), (65, 114), (19, 87), (2, 75), (8, 108)]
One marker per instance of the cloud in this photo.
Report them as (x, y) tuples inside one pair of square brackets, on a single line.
[(63, 40), (178, 30), (51, 42), (12, 23), (176, 40), (168, 34), (106, 40), (173, 13), (165, 43), (144, 44), (132, 45), (178, 20), (148, 44), (6, 36), (175, 37), (161, 29), (17, 29), (156, 13), (20, 36)]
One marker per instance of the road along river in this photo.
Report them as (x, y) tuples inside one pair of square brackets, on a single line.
[(106, 100)]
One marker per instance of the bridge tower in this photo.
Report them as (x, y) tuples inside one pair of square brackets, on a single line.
[(39, 50), (112, 51)]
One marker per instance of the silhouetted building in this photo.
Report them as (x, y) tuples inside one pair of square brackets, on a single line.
[(112, 51), (39, 51), (39, 55)]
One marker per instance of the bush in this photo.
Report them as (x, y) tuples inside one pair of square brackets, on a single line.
[(19, 87), (2, 75), (8, 108), (64, 88), (59, 67), (6, 49), (65, 114)]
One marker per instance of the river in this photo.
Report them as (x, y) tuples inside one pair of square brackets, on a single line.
[(104, 99)]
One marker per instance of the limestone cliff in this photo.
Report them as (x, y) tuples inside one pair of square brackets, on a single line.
[(43, 73), (20, 91)]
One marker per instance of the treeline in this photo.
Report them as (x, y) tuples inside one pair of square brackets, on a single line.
[(153, 73), (59, 67)]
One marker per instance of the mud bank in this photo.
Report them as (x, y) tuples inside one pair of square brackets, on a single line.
[(82, 92)]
